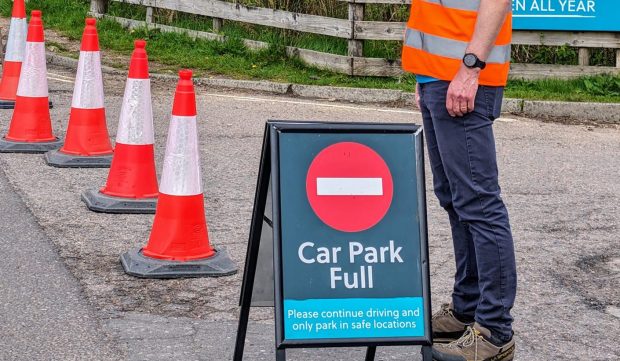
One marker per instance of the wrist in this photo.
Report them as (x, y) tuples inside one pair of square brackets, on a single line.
[(472, 71)]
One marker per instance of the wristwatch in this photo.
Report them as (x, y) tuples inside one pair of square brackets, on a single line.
[(472, 61)]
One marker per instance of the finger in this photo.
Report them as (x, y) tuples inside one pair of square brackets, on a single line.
[(458, 108), (471, 104), (450, 105), (463, 107)]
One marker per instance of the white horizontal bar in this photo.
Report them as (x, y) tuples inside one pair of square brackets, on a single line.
[(349, 186)]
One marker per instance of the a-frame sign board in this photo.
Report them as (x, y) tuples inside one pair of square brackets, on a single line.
[(338, 240)]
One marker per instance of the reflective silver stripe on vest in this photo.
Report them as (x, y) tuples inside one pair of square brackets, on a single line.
[(471, 5), (449, 48)]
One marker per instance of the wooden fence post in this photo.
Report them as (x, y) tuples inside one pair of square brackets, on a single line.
[(98, 6), (584, 56), (617, 58), (217, 24), (149, 15), (356, 13)]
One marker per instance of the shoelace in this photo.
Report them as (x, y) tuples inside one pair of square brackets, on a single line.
[(470, 338)]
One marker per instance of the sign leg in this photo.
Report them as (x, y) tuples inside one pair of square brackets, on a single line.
[(427, 353), (370, 353), (241, 332), (253, 248), (280, 355)]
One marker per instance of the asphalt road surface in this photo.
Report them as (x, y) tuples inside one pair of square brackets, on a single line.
[(64, 291)]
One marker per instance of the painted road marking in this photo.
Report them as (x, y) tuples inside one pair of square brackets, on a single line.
[(254, 99), (49, 76)]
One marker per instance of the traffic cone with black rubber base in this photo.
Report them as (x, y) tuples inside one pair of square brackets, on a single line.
[(14, 55), (87, 143), (132, 182), (179, 243), (30, 130)]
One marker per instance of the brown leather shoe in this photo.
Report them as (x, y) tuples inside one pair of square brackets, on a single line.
[(474, 346), (446, 327)]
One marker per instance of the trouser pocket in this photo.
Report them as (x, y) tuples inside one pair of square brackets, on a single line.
[(493, 97)]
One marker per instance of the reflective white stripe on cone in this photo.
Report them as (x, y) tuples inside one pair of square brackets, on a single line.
[(16, 45), (181, 174), (135, 125), (88, 91), (33, 78)]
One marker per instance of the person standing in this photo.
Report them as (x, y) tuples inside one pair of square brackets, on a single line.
[(459, 51)]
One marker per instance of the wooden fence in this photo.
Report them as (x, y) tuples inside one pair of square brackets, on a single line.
[(355, 29)]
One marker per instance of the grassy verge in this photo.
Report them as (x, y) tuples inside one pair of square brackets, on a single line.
[(233, 60)]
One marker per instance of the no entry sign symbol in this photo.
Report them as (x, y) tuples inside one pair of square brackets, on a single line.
[(349, 187)]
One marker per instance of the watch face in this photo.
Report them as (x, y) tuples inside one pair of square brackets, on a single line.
[(469, 60)]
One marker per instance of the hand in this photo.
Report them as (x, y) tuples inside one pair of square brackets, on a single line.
[(417, 96), (462, 91)]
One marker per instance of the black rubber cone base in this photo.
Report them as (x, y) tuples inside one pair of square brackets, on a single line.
[(8, 146), (58, 159), (10, 104), (99, 202), (138, 265)]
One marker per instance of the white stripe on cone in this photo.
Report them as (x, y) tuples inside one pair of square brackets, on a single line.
[(16, 45), (349, 186), (181, 172), (33, 77), (88, 91), (135, 126)]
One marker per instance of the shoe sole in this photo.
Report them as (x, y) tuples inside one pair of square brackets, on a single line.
[(507, 359), (505, 355)]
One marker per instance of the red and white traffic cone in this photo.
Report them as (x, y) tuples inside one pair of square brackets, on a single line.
[(31, 127), (132, 181), (14, 55), (179, 242), (87, 143)]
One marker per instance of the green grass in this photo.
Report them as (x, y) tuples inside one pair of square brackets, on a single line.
[(602, 88), (233, 60)]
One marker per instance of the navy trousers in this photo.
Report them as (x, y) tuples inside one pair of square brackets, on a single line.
[(465, 179)]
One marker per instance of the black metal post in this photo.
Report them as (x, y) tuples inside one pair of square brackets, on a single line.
[(370, 353), (427, 353)]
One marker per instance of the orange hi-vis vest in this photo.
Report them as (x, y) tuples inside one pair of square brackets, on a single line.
[(438, 33)]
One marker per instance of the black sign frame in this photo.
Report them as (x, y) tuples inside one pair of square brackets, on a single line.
[(270, 170)]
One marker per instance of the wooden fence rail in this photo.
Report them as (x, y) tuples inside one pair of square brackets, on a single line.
[(355, 29)]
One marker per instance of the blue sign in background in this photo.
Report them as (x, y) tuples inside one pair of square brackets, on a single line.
[(566, 15)]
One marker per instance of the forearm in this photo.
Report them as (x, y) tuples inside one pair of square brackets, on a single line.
[(491, 16)]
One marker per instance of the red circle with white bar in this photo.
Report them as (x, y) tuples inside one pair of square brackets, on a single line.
[(349, 187)]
